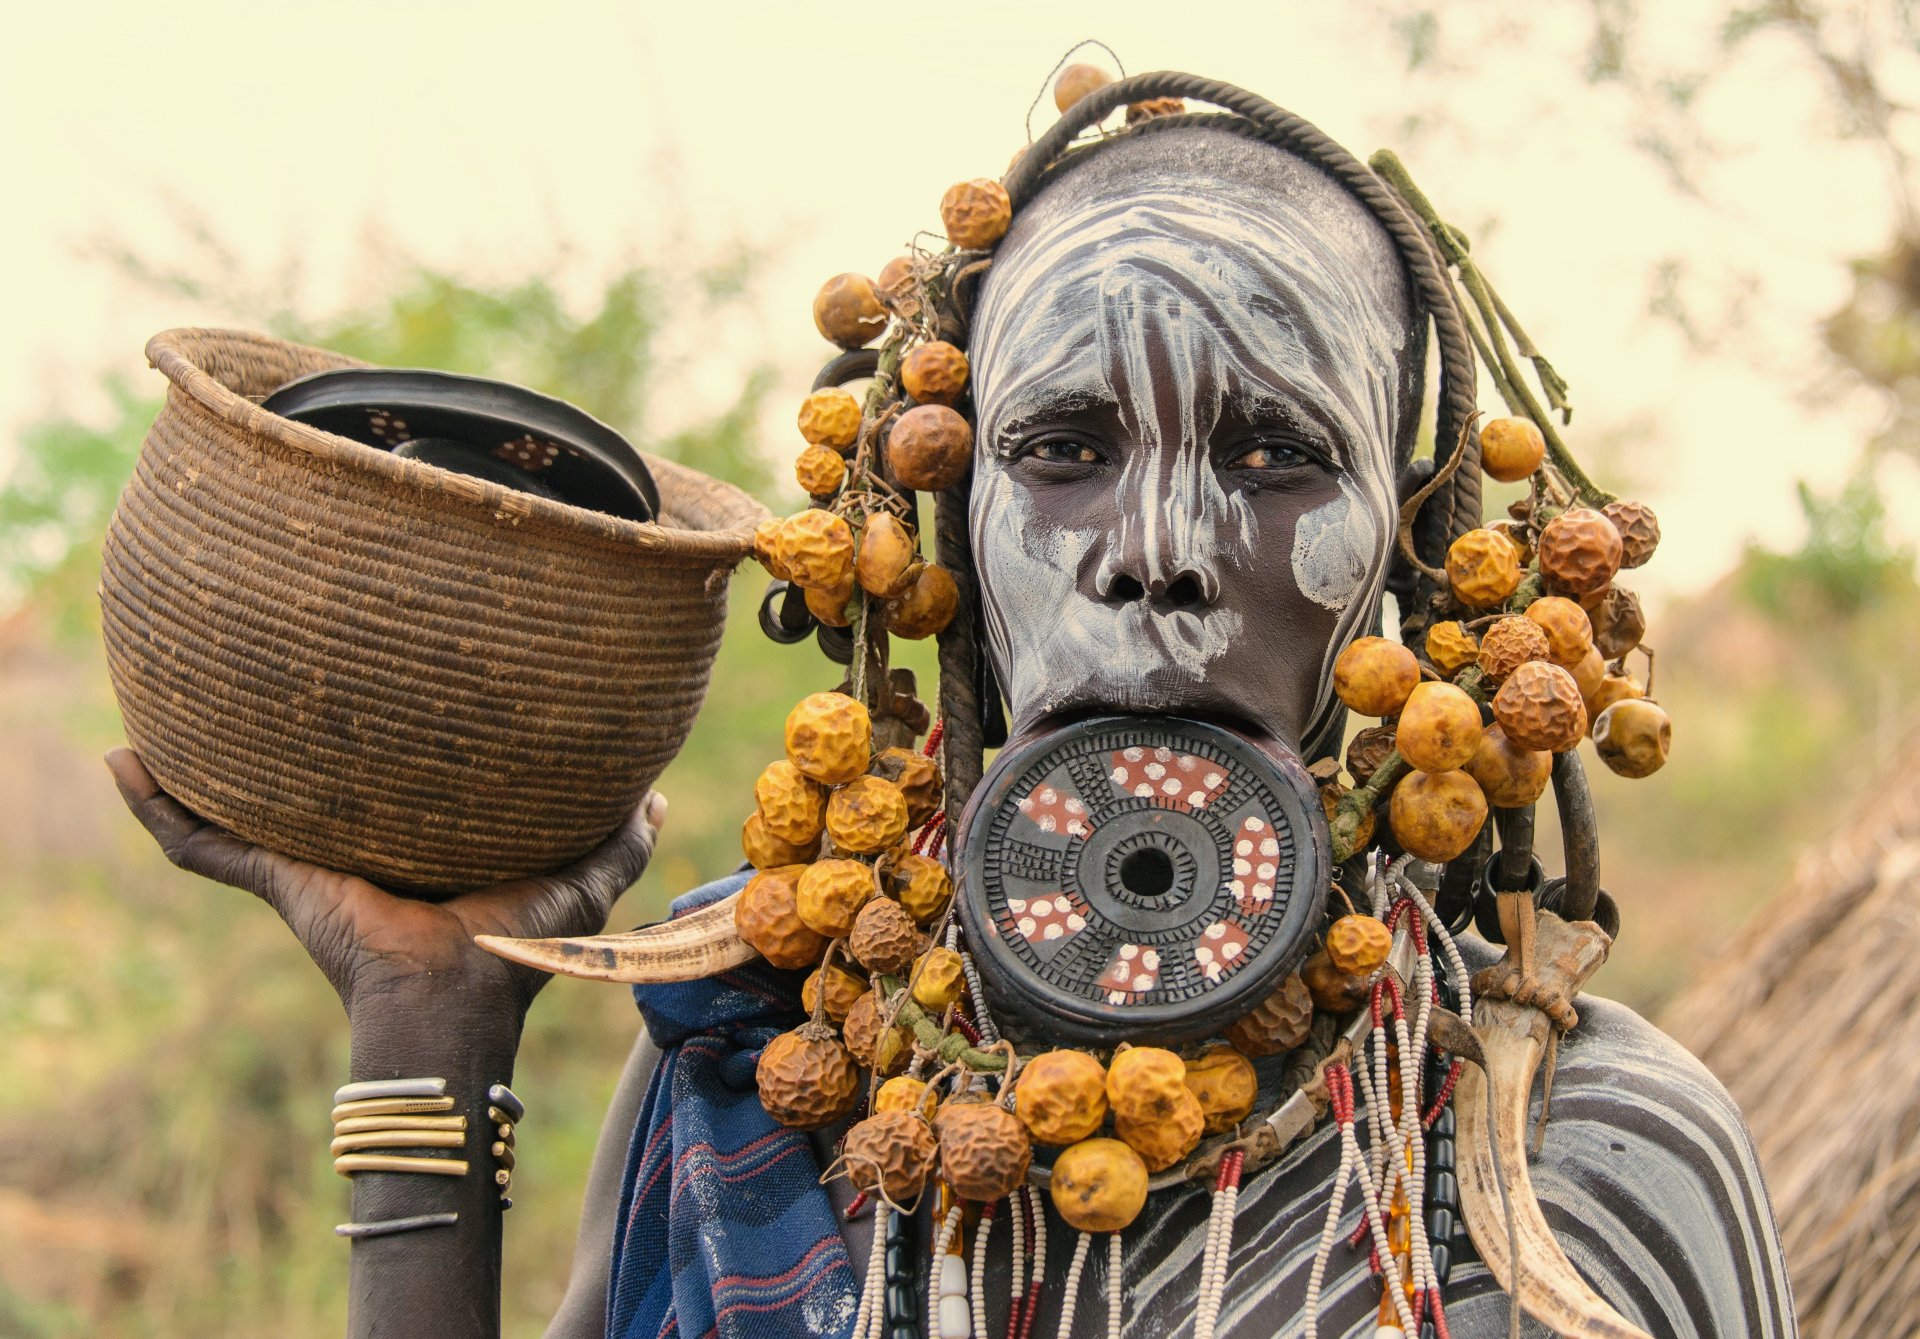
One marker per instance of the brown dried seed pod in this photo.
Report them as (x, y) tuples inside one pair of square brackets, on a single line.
[(938, 979), (1358, 945), (1483, 568), (984, 1149), (866, 815), (1509, 776), (1075, 82), (829, 737), (1367, 750), (918, 778), (1436, 815), (830, 418), (1579, 552), (1373, 675), (847, 312), (1511, 449), (922, 885), (1539, 707), (1152, 107), (934, 373), (1618, 623), (1439, 728), (1332, 990), (792, 805), (1451, 647), (831, 893), (1568, 630), (831, 607), (1146, 1083), (1510, 643), (1277, 1024), (891, 1152), (1223, 1082), (896, 287), (1099, 1185), (975, 213), (1061, 1097), (884, 938), (884, 1050), (806, 1078), (930, 447), (766, 851), (844, 990), (1632, 737), (820, 471), (888, 553), (816, 548), (927, 607), (1162, 1143), (769, 920), (1639, 531)]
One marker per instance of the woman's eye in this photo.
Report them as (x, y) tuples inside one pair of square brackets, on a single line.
[(1270, 456), (1063, 451)]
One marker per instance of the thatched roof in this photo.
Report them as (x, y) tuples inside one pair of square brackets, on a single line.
[(1812, 1020)]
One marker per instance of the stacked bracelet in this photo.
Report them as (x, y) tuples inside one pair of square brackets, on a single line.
[(505, 1111), (391, 1125)]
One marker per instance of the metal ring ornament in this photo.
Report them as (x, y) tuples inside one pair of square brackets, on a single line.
[(1154, 875)]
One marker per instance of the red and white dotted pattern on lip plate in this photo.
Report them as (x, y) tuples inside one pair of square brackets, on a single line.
[(1052, 810), (1173, 779), (1133, 972), (1221, 948), (1046, 919), (1256, 863)]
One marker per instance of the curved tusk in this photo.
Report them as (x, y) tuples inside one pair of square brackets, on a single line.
[(678, 950), (1514, 1038)]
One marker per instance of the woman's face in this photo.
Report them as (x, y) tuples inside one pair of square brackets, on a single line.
[(1183, 497)]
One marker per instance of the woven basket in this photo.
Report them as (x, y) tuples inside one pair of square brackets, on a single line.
[(386, 668)]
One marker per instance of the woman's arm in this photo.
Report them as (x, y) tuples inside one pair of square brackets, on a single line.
[(423, 1002)]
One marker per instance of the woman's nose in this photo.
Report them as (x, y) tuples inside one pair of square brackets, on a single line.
[(1168, 571)]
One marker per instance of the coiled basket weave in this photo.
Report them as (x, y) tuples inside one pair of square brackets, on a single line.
[(386, 668)]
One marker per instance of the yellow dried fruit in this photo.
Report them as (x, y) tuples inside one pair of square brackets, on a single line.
[(843, 988), (903, 1092), (792, 806), (847, 312), (1277, 1024), (884, 938), (1632, 737), (831, 893), (930, 447), (1618, 623), (884, 1050), (1099, 1185), (830, 737), (938, 979), (768, 920), (1451, 647), (1373, 675), (831, 418), (1366, 752), (1146, 1083), (1613, 688), (927, 607), (1436, 815), (896, 286), (1483, 568), (888, 558), (1639, 530), (1061, 1097), (1511, 449), (766, 851), (976, 213), (918, 778), (1509, 776), (1164, 1140), (1539, 707), (816, 548), (806, 1078), (866, 815), (1579, 552), (1588, 676), (1332, 990), (1439, 727), (934, 373), (1075, 82), (1223, 1082), (831, 607), (766, 547), (890, 1152), (984, 1149), (820, 471), (1510, 643), (1358, 945), (922, 886), (1568, 630)]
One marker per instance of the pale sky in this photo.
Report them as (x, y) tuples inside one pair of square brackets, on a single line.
[(489, 136)]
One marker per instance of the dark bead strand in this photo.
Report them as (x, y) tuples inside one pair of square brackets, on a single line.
[(904, 1309), (1443, 1186)]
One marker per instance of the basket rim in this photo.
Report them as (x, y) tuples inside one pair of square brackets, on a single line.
[(173, 354)]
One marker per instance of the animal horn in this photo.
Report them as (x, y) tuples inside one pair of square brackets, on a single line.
[(1491, 1108), (678, 950)]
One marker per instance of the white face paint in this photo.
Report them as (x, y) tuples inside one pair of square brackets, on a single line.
[(1183, 315)]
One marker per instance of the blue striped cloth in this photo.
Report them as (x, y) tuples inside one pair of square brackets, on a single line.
[(724, 1229)]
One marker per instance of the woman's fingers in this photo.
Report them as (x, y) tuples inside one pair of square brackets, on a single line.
[(185, 838)]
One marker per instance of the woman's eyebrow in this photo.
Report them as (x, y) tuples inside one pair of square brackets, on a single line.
[(1045, 402), (1299, 417)]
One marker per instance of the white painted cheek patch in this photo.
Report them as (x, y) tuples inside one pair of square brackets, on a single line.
[(1335, 547)]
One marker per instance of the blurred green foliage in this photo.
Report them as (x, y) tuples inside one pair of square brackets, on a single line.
[(1847, 563)]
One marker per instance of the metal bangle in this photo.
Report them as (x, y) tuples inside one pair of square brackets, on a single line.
[(387, 1227), (372, 1088), (502, 1096), (392, 1106), (349, 1163)]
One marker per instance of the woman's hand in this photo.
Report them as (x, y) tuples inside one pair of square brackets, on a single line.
[(372, 944)]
